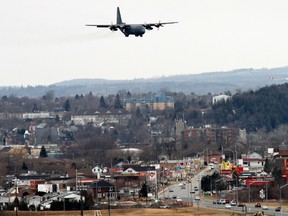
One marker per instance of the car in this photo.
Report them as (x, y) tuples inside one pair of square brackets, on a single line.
[(222, 201), (183, 187), (197, 198), (196, 189), (171, 190), (163, 206), (179, 199), (265, 207), (114, 204), (278, 209), (233, 203), (192, 192), (258, 205), (218, 202), (228, 206), (174, 197)]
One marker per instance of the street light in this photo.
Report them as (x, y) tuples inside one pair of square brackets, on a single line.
[(281, 197)]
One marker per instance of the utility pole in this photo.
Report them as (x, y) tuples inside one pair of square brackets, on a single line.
[(76, 183), (17, 201), (266, 192), (109, 201), (81, 198)]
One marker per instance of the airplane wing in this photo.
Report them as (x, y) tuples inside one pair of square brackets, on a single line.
[(149, 26), (112, 27), (99, 26)]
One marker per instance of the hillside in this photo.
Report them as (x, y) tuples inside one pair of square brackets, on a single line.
[(200, 84)]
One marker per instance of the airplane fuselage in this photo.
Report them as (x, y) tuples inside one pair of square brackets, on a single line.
[(130, 29), (134, 29)]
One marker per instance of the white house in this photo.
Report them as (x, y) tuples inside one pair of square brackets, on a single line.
[(4, 200), (219, 98), (253, 162), (70, 197), (34, 200), (97, 171)]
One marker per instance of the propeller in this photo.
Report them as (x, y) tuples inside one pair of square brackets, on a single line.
[(159, 25), (148, 27), (112, 27)]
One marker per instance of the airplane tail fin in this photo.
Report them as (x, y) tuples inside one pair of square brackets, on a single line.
[(119, 19)]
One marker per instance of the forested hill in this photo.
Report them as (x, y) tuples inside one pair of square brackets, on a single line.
[(200, 84), (266, 107)]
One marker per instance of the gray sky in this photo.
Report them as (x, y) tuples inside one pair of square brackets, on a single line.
[(43, 42)]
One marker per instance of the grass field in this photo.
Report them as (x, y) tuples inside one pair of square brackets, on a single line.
[(130, 212)]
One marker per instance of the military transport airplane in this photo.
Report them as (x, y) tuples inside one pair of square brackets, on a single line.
[(131, 29)]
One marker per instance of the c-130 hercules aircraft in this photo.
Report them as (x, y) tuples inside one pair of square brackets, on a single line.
[(131, 29)]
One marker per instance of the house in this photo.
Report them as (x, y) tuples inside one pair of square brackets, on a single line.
[(252, 162), (103, 190), (97, 171), (148, 173), (220, 98), (4, 201), (70, 197), (128, 184), (33, 201)]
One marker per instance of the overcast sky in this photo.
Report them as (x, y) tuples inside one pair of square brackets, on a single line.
[(43, 42)]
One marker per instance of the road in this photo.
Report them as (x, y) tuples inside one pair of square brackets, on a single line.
[(187, 192), (191, 190)]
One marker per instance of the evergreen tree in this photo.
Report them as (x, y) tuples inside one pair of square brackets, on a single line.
[(90, 96), (73, 166), (143, 192), (34, 108), (129, 159), (117, 103), (129, 94), (24, 166), (277, 174), (43, 152), (67, 106), (267, 166), (102, 103), (77, 97)]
